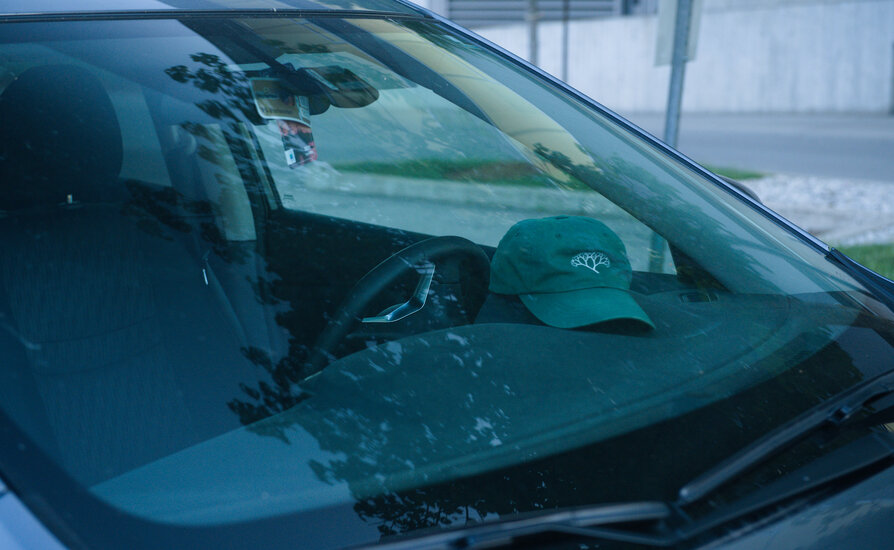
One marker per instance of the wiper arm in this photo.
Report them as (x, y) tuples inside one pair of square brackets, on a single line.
[(591, 522), (831, 414), (608, 522), (611, 522), (857, 456)]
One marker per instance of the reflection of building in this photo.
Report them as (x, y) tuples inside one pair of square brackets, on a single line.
[(478, 13), (753, 55)]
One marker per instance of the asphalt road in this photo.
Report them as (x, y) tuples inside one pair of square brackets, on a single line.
[(834, 146)]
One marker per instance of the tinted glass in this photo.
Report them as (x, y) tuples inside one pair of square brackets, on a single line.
[(201, 325), (58, 6)]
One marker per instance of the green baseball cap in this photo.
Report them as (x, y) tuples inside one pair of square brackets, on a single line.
[(569, 271)]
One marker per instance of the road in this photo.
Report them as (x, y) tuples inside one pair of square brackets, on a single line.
[(833, 146)]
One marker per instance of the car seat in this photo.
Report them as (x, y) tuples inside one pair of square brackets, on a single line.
[(115, 350)]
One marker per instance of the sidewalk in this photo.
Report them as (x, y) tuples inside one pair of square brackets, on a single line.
[(838, 211), (832, 174), (842, 146)]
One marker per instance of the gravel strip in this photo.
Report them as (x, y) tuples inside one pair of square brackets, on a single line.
[(839, 211)]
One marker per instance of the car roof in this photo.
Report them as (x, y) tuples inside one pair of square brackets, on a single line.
[(87, 6)]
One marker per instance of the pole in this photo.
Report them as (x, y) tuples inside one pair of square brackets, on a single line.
[(891, 108), (674, 100), (566, 15), (678, 71), (533, 40)]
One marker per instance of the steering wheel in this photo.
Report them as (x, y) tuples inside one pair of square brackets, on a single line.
[(441, 254)]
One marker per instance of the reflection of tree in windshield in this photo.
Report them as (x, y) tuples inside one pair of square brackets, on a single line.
[(651, 463), (231, 153), (232, 100)]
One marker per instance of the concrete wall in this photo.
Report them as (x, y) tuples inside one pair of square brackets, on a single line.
[(753, 56)]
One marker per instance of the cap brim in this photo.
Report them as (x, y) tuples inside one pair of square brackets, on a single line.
[(578, 308)]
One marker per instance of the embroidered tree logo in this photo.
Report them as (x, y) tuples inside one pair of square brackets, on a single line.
[(590, 260)]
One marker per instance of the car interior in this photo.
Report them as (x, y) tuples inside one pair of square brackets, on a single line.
[(165, 272)]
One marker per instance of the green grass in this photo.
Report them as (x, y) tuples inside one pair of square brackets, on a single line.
[(877, 257), (484, 171), (488, 171), (734, 173)]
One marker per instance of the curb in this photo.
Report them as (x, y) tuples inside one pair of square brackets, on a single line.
[(467, 193)]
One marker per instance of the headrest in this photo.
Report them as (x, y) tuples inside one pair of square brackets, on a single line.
[(59, 137)]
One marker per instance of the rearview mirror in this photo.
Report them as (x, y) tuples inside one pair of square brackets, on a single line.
[(342, 87)]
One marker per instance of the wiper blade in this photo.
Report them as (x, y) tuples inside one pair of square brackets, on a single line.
[(613, 522), (835, 413), (591, 522), (855, 457)]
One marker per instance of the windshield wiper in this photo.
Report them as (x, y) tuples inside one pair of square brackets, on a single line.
[(595, 523), (801, 486), (660, 524), (835, 414)]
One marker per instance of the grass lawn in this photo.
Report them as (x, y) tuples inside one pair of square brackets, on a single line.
[(484, 171), (877, 257), (514, 173), (734, 173)]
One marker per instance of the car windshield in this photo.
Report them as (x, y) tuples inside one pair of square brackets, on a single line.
[(337, 278)]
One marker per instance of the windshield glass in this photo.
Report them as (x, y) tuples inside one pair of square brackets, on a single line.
[(353, 278)]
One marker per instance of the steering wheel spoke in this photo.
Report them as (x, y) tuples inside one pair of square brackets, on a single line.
[(414, 304), (449, 252)]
